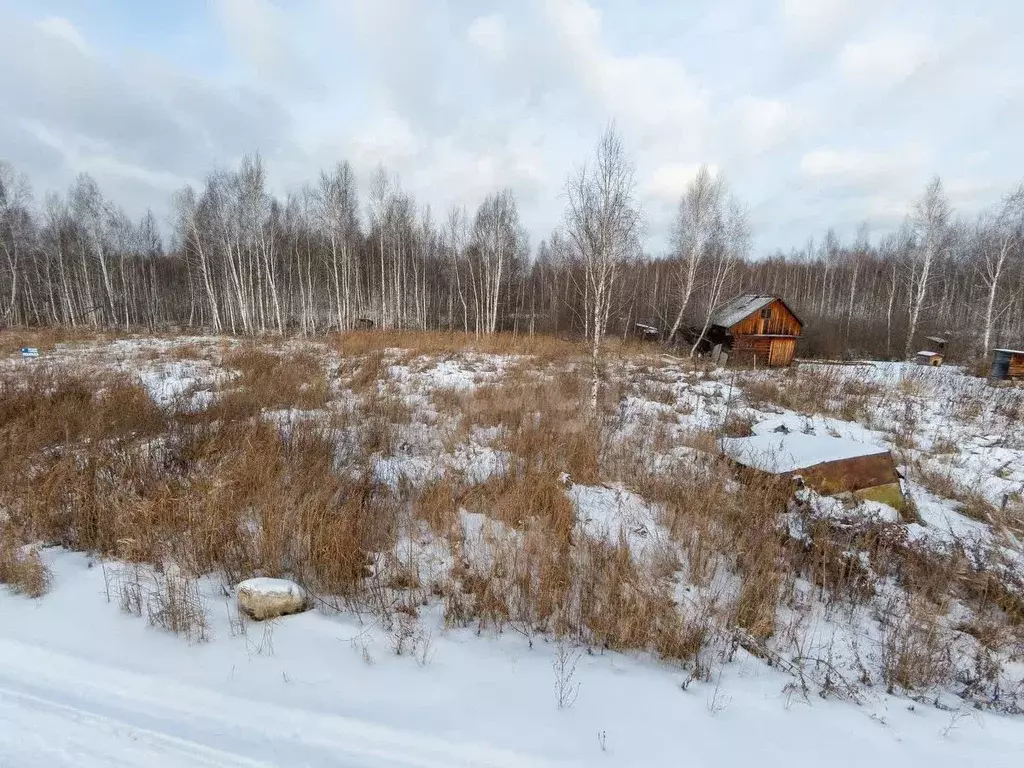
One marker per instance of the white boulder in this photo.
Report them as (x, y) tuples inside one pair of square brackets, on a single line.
[(263, 598)]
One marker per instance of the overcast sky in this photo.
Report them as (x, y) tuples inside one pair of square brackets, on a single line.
[(817, 112)]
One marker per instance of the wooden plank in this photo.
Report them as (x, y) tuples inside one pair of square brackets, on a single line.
[(1016, 366), (767, 350), (783, 351)]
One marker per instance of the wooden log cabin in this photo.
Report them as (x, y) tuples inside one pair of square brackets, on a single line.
[(757, 327), (1007, 364)]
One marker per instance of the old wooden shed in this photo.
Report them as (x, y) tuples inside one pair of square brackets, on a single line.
[(758, 327), (646, 332), (829, 465), (1007, 364)]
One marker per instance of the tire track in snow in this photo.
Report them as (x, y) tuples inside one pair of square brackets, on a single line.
[(77, 711), (43, 732)]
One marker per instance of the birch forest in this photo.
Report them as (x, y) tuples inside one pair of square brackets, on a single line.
[(233, 258)]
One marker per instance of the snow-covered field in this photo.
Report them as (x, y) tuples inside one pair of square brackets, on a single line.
[(86, 680)]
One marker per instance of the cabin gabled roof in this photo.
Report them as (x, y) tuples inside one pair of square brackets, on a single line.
[(743, 306)]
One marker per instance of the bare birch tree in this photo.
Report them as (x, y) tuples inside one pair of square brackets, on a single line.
[(336, 207), (604, 226), (242, 261), (930, 221), (731, 245), (194, 242), (456, 235), (499, 238), (698, 222), (15, 228), (999, 240)]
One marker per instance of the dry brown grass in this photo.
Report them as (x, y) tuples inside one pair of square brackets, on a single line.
[(543, 579), (229, 495), (45, 339), (545, 421), (970, 501), (361, 372), (916, 652), (21, 568), (519, 498), (50, 407), (225, 492), (542, 347), (190, 351), (171, 601), (825, 390), (278, 380), (436, 504)]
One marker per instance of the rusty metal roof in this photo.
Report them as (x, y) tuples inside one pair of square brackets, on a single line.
[(788, 452)]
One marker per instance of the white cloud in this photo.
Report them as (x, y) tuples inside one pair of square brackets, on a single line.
[(813, 22), (830, 162), (388, 138), (488, 34), (59, 27), (857, 166), (669, 181), (651, 95), (100, 161), (263, 37), (140, 129), (885, 60), (764, 123), (795, 102)]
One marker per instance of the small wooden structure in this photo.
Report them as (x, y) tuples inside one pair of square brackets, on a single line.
[(935, 354), (646, 332), (758, 326), (1007, 364), (928, 357), (829, 465)]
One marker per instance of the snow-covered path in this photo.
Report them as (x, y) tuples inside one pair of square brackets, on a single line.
[(59, 710)]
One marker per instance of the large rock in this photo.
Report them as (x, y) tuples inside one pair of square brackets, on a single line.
[(261, 598)]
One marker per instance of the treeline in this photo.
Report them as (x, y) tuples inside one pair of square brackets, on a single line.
[(327, 257)]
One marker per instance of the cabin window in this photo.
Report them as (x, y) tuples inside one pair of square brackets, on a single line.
[(766, 313)]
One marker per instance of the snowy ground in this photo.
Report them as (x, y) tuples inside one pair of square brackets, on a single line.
[(83, 684)]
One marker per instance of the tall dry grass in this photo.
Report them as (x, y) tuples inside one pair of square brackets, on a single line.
[(94, 465), (544, 348)]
